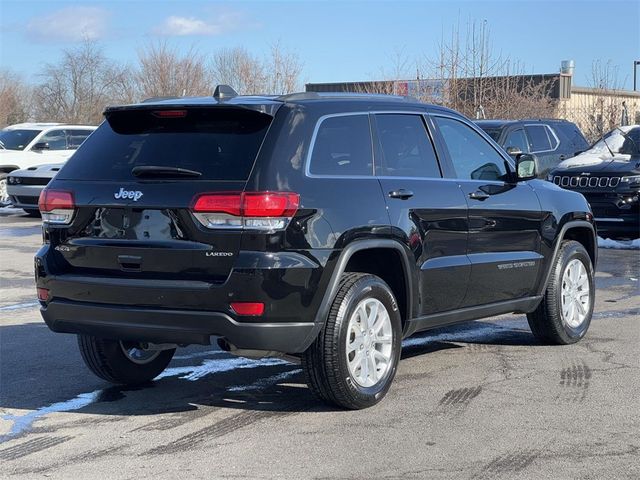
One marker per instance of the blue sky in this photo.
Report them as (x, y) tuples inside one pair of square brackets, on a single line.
[(336, 41)]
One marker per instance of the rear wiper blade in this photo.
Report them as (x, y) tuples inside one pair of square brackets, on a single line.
[(161, 171)]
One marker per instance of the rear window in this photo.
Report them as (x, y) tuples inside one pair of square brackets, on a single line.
[(493, 132), (220, 143)]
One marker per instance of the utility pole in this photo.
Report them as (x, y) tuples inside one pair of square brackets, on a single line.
[(635, 68)]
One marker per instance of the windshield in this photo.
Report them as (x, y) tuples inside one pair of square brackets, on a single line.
[(218, 143), (17, 139), (614, 139)]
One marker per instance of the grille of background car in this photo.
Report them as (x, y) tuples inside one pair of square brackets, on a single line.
[(586, 182)]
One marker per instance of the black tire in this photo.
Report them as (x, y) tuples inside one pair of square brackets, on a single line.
[(32, 212), (107, 359), (547, 322), (325, 363)]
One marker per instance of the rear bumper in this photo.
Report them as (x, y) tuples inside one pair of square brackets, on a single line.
[(173, 326)]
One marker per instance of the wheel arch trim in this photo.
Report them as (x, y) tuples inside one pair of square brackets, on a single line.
[(343, 260), (556, 250)]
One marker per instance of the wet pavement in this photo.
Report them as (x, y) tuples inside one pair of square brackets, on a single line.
[(479, 400)]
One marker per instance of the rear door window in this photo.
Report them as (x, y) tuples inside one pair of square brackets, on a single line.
[(539, 138), (406, 147), (220, 143), (342, 147)]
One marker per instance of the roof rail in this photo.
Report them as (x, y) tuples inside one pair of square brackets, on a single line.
[(317, 95)]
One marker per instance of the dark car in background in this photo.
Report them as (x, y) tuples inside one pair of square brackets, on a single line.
[(611, 185), (551, 141)]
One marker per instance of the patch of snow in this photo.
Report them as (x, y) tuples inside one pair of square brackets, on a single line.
[(24, 422), (208, 367), (192, 373), (619, 244), (18, 306), (265, 382)]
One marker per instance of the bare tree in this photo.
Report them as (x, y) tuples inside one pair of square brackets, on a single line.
[(478, 81), (277, 74), (604, 111), (165, 72), (76, 89), (283, 69), (15, 98), (238, 68)]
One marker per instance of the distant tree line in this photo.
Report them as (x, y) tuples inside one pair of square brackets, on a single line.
[(78, 87)]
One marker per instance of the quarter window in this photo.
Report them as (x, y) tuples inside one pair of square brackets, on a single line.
[(472, 156), (406, 148), (343, 147)]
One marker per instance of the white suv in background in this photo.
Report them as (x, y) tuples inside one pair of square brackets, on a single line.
[(31, 144)]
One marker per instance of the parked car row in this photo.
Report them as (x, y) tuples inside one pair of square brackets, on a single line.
[(607, 173), (31, 145)]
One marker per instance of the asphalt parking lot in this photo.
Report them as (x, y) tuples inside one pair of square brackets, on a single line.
[(481, 400)]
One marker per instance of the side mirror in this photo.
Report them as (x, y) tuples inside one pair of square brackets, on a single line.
[(513, 151), (526, 168), (40, 146)]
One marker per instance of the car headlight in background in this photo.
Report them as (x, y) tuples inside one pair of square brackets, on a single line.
[(549, 177), (633, 180)]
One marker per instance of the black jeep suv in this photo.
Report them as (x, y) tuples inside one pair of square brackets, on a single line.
[(322, 227), (611, 186), (550, 140)]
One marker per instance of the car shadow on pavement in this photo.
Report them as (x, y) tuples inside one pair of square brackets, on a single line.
[(43, 371)]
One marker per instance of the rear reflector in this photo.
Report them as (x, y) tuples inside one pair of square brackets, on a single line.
[(252, 210), (43, 294), (248, 308), (56, 206)]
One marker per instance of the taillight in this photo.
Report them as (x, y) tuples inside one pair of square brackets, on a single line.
[(43, 294), (56, 206), (250, 210)]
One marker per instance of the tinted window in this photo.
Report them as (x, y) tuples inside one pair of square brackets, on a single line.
[(56, 139), (220, 143), (75, 137), (343, 147), (538, 138), (492, 132), (406, 148), (472, 156), (17, 139), (518, 139)]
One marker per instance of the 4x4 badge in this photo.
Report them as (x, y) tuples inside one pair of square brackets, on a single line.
[(124, 194)]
